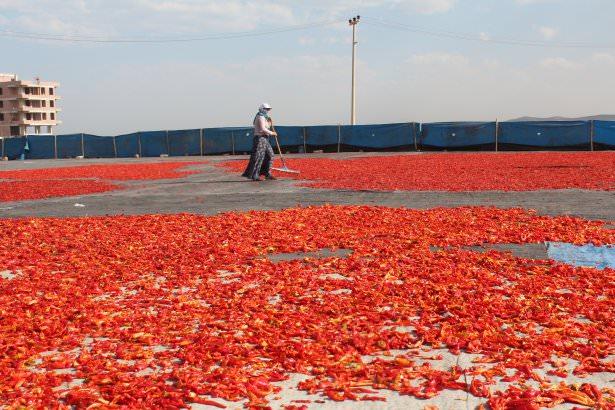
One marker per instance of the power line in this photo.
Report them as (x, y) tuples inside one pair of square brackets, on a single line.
[(258, 33), (220, 36), (472, 37)]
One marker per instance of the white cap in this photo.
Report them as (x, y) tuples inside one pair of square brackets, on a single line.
[(264, 106)]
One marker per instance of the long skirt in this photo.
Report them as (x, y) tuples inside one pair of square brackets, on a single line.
[(261, 159)]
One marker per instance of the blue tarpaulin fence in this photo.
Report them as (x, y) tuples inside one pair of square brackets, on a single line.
[(127, 145), (604, 133), (291, 137), (217, 141), (41, 147), (185, 142), (95, 146), (407, 136), (379, 136), (241, 139), (545, 133), (13, 148), (153, 143), (457, 134), (320, 136), (69, 146)]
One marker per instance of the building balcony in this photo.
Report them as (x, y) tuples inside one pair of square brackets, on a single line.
[(26, 108), (37, 96), (6, 110), (31, 122), (24, 96)]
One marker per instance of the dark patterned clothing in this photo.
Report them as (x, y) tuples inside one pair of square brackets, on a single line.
[(261, 159), (248, 171)]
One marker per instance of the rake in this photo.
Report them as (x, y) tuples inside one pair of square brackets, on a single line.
[(284, 168)]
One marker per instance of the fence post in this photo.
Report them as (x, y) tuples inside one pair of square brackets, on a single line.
[(496, 134), (304, 141), (55, 147), (139, 143), (2, 139), (413, 125), (233, 142), (167, 140), (591, 135), (114, 147), (339, 136), (201, 138), (82, 146)]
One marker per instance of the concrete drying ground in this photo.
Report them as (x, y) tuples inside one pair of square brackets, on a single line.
[(213, 190)]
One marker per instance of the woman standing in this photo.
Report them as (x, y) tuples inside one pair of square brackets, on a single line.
[(261, 159)]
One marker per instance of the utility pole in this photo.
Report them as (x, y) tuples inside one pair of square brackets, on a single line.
[(353, 22)]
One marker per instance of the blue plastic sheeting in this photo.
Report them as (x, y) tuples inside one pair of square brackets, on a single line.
[(586, 255), (290, 136), (545, 133), (184, 142), (41, 147), (242, 139), (322, 135), (13, 147), (457, 134), (69, 145), (153, 143), (95, 146), (379, 135), (217, 140), (127, 145), (604, 132)]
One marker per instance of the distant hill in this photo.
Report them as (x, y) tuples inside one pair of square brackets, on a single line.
[(601, 117)]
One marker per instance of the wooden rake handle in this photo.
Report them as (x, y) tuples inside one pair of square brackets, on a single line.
[(277, 143)]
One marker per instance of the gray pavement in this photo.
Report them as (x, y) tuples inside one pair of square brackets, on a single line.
[(214, 190)]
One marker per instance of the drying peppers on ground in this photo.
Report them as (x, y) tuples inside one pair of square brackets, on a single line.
[(160, 311)]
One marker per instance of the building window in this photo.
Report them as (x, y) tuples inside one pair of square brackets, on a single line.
[(1, 117), (1, 104), (0, 91), (53, 116), (27, 90), (44, 103), (50, 91), (42, 91), (28, 116), (44, 116), (52, 103), (28, 103)]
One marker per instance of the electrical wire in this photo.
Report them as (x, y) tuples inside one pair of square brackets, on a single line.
[(257, 33), (471, 37), (220, 36)]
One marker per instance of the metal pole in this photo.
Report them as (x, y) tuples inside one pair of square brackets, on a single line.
[(339, 136), (2, 138), (496, 134), (353, 22), (304, 141), (55, 146), (167, 139), (233, 142), (82, 147), (416, 148), (201, 137), (114, 147), (139, 143), (591, 135)]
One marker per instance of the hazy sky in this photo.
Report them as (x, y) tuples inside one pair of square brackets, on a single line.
[(305, 75)]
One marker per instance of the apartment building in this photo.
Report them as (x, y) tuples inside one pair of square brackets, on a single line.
[(27, 107)]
